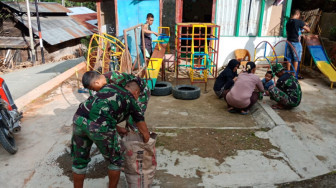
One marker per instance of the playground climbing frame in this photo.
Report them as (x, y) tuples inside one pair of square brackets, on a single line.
[(196, 50)]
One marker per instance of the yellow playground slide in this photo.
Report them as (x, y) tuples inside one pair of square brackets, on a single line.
[(320, 57)]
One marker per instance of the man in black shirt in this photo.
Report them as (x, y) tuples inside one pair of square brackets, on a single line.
[(147, 35), (294, 27)]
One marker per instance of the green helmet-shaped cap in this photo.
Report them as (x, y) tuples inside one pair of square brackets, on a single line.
[(277, 68)]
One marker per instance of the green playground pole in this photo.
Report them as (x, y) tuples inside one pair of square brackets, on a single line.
[(238, 18), (287, 16), (261, 17)]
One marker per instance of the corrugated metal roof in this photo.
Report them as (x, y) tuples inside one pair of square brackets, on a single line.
[(84, 20), (44, 7), (80, 10), (57, 29)]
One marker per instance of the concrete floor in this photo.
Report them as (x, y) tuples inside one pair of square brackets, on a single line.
[(205, 112), (306, 140)]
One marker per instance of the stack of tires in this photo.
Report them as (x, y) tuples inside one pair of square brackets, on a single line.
[(183, 92)]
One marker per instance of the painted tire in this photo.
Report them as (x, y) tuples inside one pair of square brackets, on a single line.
[(186, 92), (162, 89)]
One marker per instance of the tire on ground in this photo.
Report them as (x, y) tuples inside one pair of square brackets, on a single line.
[(7, 143), (162, 89), (186, 92)]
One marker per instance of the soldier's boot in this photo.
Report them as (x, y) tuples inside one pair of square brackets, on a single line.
[(114, 176), (78, 180)]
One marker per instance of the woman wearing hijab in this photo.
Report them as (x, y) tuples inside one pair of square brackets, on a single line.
[(242, 96), (226, 78)]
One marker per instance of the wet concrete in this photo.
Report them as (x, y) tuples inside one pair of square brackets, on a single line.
[(46, 131)]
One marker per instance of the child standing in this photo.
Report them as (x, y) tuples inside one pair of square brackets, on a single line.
[(267, 81), (293, 26)]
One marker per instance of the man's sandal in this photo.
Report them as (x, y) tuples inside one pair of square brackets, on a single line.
[(244, 112), (232, 110)]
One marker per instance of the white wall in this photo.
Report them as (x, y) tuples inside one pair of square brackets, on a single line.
[(227, 45)]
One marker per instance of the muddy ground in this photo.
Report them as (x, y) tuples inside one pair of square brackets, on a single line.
[(200, 144), (212, 143), (205, 143)]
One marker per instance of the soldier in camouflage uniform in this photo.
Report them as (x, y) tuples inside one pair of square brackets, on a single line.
[(287, 91), (96, 121), (121, 79)]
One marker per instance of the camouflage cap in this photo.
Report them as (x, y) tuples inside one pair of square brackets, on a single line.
[(276, 68)]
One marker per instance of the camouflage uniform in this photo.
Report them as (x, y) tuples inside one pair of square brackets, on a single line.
[(95, 122), (122, 79), (287, 91)]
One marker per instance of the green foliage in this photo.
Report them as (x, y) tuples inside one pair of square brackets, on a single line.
[(85, 41)]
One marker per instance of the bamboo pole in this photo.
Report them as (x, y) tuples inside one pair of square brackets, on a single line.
[(137, 48)]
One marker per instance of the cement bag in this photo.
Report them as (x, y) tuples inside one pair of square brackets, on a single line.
[(140, 160)]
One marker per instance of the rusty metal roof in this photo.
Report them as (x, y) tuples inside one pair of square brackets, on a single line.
[(57, 29), (43, 7), (83, 20)]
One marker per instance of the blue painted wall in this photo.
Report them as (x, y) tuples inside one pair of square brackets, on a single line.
[(134, 12)]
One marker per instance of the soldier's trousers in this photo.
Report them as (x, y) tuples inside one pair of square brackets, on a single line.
[(281, 97), (107, 142)]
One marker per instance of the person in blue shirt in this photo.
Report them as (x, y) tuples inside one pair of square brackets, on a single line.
[(294, 28), (267, 81)]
